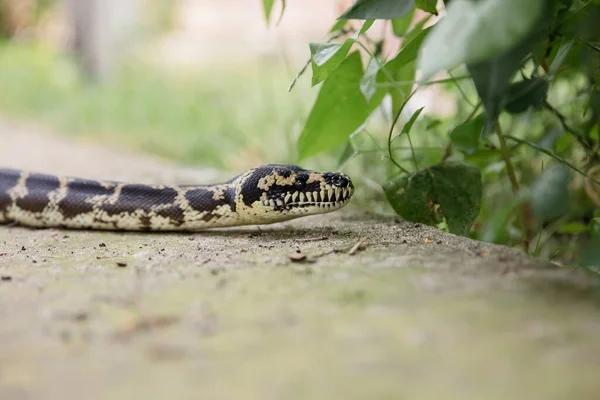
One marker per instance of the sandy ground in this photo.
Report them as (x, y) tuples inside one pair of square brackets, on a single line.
[(379, 308)]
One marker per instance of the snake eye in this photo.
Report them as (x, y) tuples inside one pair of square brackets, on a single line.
[(339, 180), (299, 184)]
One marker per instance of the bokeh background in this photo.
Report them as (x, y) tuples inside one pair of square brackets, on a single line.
[(202, 82)]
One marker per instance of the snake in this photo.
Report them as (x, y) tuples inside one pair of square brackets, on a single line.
[(265, 194)]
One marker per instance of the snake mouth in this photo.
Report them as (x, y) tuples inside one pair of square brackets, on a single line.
[(329, 197)]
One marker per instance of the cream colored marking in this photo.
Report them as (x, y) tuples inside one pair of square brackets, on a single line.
[(294, 197), (266, 182), (20, 189), (283, 181), (309, 196), (314, 177), (51, 211), (218, 192), (302, 197), (115, 196), (106, 185), (287, 197), (315, 195), (279, 202), (329, 193)]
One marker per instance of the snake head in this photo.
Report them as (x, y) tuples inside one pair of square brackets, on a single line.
[(278, 192)]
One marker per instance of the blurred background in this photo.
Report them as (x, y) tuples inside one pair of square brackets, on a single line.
[(201, 82)]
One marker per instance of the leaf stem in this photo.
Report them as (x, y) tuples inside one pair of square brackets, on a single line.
[(551, 154), (428, 83), (412, 150), (563, 121), (510, 170), (391, 132)]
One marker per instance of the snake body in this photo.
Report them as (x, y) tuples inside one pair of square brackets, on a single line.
[(266, 194)]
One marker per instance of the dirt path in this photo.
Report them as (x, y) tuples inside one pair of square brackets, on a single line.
[(380, 309)]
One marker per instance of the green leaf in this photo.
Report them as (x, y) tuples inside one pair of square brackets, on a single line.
[(348, 152), (378, 9), (427, 5), (590, 256), (408, 126), (267, 7), (525, 94), (408, 52), (473, 32), (561, 55), (402, 68), (326, 57), (595, 226), (368, 83), (495, 231), (465, 137), (550, 194), (573, 228), (338, 26), (491, 79), (401, 25), (483, 158), (450, 191), (339, 110)]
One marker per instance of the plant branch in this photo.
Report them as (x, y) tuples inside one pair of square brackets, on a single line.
[(551, 154), (510, 170), (563, 121)]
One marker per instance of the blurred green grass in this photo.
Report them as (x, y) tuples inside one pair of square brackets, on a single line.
[(230, 117)]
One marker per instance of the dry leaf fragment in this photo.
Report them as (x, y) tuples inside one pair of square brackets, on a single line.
[(297, 256)]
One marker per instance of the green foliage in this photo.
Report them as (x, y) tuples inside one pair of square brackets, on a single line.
[(550, 194), (449, 191), (514, 172), (339, 110), (378, 9), (465, 137), (474, 32), (528, 93), (268, 8)]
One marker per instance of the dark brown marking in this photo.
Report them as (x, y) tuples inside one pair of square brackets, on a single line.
[(38, 188), (79, 192), (202, 200), (208, 217), (140, 197), (145, 221), (8, 179), (174, 213), (229, 195)]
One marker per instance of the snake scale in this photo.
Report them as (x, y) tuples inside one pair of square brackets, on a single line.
[(262, 195)]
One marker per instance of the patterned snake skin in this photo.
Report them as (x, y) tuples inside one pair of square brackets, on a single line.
[(266, 194)]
